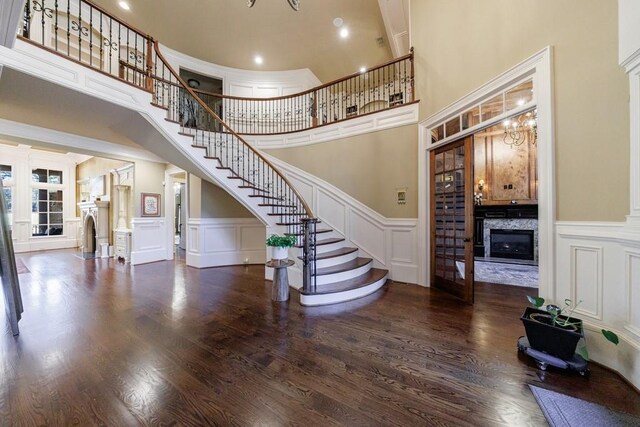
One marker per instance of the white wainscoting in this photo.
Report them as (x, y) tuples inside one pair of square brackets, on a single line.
[(387, 119), (23, 241), (148, 240), (599, 264), (391, 242), (213, 242)]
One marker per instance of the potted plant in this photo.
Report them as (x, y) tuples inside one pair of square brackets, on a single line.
[(280, 245), (554, 332)]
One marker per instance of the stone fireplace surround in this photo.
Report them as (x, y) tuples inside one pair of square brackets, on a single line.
[(99, 212), (510, 224), (505, 217)]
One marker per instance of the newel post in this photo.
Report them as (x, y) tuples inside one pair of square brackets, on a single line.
[(309, 255)]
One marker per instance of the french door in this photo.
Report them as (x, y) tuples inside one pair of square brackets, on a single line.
[(452, 218)]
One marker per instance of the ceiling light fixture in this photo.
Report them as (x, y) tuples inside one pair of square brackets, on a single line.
[(344, 33), (258, 60), (124, 5), (520, 129), (337, 22), (295, 4)]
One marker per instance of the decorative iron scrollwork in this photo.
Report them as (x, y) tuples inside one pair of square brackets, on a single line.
[(39, 7), (137, 57), (76, 26), (108, 43)]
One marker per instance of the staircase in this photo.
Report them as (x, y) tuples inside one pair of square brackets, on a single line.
[(332, 271)]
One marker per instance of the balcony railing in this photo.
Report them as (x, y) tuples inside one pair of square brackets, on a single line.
[(385, 86)]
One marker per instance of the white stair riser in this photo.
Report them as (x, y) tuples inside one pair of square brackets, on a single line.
[(330, 262), (319, 299), (343, 275), (326, 248)]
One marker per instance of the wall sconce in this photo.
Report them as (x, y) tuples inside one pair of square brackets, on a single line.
[(481, 185)]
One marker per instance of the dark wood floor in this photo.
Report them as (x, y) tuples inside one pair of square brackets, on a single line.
[(104, 343)]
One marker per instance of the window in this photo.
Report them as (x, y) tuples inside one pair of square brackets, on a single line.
[(46, 176), (6, 175), (47, 198)]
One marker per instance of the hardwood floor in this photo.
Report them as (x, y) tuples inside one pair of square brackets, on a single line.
[(104, 343)]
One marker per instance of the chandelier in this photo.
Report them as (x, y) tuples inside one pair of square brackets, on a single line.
[(520, 129), (295, 4)]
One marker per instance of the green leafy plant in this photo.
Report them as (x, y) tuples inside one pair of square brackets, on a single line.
[(285, 241), (558, 318)]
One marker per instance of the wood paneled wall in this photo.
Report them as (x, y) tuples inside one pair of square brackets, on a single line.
[(509, 172)]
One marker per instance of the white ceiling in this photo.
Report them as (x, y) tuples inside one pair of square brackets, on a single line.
[(227, 32)]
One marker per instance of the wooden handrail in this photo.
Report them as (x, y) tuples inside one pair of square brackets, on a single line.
[(316, 88), (186, 87)]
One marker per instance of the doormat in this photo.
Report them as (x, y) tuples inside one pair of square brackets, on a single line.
[(503, 274), (562, 410), (22, 269)]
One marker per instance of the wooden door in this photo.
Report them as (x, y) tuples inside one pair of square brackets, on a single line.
[(452, 218)]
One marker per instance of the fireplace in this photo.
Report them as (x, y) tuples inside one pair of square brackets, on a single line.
[(513, 244)]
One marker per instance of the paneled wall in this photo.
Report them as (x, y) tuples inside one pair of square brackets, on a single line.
[(598, 264), (509, 172), (391, 242)]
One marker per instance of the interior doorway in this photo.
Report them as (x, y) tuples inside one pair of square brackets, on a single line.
[(177, 208), (484, 209), (207, 88)]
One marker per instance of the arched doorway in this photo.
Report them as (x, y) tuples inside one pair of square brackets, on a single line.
[(89, 241)]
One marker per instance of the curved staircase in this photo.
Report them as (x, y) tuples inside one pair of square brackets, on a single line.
[(337, 273), (331, 270)]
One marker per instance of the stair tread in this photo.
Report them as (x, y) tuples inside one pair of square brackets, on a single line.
[(288, 214), (265, 197), (159, 106), (254, 188), (333, 254), (276, 205), (347, 266), (326, 241), (324, 230), (363, 280)]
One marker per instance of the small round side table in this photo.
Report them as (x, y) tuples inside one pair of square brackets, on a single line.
[(280, 288)]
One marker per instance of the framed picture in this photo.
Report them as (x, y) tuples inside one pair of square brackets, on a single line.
[(150, 204)]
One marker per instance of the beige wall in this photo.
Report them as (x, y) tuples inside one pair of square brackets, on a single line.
[(210, 201), (460, 45), (148, 178), (368, 167)]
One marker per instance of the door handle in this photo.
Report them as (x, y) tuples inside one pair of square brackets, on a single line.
[(467, 239)]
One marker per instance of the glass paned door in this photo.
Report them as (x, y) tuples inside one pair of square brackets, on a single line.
[(452, 218)]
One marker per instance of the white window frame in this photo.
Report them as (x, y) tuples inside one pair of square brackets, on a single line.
[(46, 186)]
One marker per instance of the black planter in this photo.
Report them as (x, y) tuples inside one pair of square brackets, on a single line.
[(553, 340)]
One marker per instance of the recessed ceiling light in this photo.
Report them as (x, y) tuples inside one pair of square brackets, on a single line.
[(338, 22), (258, 59), (363, 69), (520, 102), (124, 5), (344, 33)]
